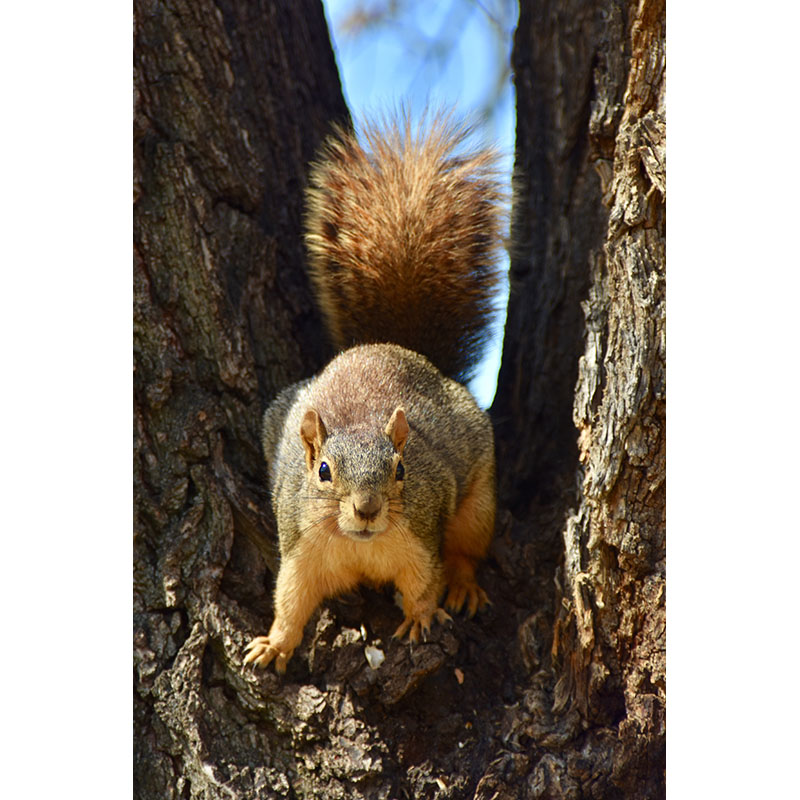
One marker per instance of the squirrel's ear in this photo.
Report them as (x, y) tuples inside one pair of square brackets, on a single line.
[(397, 429), (313, 434)]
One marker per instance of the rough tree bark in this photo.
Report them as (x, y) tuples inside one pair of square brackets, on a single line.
[(228, 110), (591, 94), (558, 690), (611, 630)]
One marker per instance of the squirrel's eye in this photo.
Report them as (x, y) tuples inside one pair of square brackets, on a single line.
[(324, 472), (400, 474)]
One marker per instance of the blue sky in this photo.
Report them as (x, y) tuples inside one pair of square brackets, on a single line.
[(439, 53)]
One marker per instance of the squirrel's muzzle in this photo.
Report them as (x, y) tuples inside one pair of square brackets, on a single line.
[(366, 507)]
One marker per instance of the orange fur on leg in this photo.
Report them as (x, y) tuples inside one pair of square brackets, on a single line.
[(301, 586), (466, 541)]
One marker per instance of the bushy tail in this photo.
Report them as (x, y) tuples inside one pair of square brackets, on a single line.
[(404, 236)]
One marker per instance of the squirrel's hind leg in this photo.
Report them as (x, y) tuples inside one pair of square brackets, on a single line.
[(466, 541), (421, 590)]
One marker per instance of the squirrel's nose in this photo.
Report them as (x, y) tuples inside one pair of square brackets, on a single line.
[(367, 506)]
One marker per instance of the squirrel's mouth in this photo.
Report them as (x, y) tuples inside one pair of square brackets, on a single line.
[(359, 535), (361, 526)]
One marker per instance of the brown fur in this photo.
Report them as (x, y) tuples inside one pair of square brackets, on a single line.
[(404, 235), (381, 467)]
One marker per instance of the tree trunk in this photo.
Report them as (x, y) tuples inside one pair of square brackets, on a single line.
[(591, 93), (232, 99), (611, 630), (558, 689)]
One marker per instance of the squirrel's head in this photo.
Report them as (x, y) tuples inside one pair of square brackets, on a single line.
[(355, 475)]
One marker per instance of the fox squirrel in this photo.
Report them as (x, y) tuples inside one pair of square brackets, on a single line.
[(382, 466)]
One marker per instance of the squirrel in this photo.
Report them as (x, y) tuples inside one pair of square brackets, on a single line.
[(382, 467)]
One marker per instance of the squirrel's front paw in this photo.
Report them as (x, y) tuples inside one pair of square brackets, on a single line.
[(420, 624), (264, 649), (261, 652)]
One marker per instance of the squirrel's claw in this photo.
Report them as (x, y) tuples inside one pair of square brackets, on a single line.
[(470, 593), (260, 652), (403, 627), (442, 616), (415, 627)]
